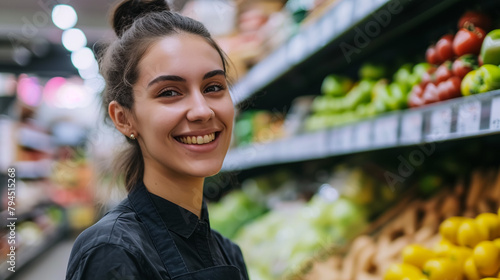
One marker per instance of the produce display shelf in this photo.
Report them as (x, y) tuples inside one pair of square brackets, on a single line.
[(459, 118), (343, 16), (25, 255)]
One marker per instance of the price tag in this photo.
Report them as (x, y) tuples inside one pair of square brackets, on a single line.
[(469, 117), (318, 144), (296, 48), (335, 142), (363, 135), (386, 131), (363, 8), (328, 28), (411, 128), (315, 37), (440, 124), (495, 114), (346, 138), (343, 14)]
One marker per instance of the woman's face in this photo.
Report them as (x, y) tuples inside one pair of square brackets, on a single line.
[(183, 112)]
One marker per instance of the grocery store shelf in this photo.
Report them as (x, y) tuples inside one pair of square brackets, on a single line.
[(342, 17), (25, 255), (458, 118)]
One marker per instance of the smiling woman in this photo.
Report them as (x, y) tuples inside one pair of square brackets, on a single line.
[(167, 93)]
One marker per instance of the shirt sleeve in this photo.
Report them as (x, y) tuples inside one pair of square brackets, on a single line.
[(108, 261)]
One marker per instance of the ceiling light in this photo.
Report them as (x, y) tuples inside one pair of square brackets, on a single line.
[(64, 16), (83, 58), (89, 72), (73, 39)]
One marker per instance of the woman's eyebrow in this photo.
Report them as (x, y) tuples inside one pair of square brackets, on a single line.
[(214, 73), (166, 78)]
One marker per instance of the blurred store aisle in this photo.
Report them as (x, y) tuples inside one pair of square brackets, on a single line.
[(50, 266)]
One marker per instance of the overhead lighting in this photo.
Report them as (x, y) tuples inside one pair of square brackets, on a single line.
[(83, 58), (64, 16), (89, 72), (74, 39)]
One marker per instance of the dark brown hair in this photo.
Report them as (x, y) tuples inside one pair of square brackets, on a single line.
[(138, 24)]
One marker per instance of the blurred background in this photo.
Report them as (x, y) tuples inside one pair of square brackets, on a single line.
[(362, 126)]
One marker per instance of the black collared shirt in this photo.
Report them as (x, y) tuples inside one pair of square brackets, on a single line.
[(192, 236), (129, 243)]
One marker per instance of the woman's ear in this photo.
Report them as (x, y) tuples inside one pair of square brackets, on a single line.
[(120, 117)]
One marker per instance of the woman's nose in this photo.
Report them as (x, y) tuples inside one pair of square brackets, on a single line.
[(199, 109)]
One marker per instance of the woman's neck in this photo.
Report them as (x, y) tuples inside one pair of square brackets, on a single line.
[(187, 192)]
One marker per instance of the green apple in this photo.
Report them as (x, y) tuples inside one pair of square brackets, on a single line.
[(490, 49)]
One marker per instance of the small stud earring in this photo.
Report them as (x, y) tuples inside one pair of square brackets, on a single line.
[(132, 136)]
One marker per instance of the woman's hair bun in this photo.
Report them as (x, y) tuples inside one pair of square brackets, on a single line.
[(127, 11)]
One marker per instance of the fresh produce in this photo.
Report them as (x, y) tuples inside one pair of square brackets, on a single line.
[(475, 18), (489, 225), (449, 228), (442, 269), (485, 78), (470, 270), (490, 50), (417, 255), (372, 71), (404, 271), (431, 56), (468, 40), (464, 64), (477, 254), (335, 85), (486, 257), (444, 48), (443, 72)]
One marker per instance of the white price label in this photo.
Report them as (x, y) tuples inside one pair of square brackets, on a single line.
[(346, 139), (440, 124), (334, 141), (469, 117), (343, 14), (386, 131), (296, 48), (363, 8), (411, 128), (315, 37), (363, 135), (495, 114), (328, 28)]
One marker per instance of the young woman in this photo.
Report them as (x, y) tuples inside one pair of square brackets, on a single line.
[(167, 92)]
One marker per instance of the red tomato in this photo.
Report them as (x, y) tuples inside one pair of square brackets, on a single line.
[(415, 101), (444, 47), (417, 90), (468, 41), (430, 94), (431, 56), (476, 18), (443, 91), (429, 76), (455, 83), (443, 72), (464, 64)]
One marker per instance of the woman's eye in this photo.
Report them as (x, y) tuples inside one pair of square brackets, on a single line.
[(214, 88), (169, 93)]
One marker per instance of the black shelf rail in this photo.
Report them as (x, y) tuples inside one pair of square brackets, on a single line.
[(459, 118)]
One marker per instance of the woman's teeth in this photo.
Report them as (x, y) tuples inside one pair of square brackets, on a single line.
[(197, 140)]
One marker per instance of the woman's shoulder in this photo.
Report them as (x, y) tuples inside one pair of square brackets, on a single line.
[(120, 226)]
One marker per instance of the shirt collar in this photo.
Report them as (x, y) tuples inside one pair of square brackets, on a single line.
[(178, 219)]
